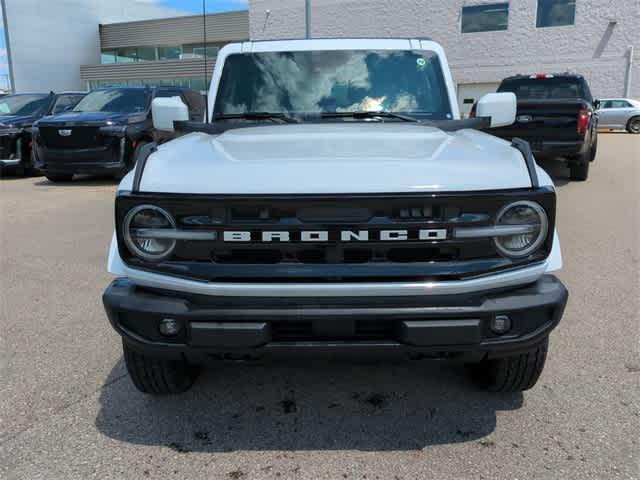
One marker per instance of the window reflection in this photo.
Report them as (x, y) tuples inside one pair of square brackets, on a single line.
[(334, 81), (556, 13), (165, 52), (485, 18), (169, 53), (196, 83)]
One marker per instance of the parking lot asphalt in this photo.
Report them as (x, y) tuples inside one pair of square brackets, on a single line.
[(68, 409)]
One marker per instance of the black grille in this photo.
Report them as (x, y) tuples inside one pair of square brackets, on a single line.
[(7, 146), (80, 137), (362, 330), (291, 331), (331, 254), (334, 259)]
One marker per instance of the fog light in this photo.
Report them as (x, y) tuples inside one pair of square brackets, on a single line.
[(169, 327), (500, 324)]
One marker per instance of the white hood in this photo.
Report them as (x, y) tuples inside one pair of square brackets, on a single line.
[(334, 158)]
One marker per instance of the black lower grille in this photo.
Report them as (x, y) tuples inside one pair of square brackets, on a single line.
[(296, 331), (291, 331), (71, 137), (413, 254), (375, 330)]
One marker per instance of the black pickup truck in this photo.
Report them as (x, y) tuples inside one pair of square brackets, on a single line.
[(557, 116), (18, 113), (103, 132)]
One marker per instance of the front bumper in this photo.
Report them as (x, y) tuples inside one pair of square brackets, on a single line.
[(11, 162), (432, 325), (91, 161)]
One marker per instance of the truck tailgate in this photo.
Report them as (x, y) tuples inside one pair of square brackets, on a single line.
[(555, 120)]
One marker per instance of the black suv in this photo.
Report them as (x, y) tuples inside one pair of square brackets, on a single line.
[(103, 132), (17, 116), (557, 116)]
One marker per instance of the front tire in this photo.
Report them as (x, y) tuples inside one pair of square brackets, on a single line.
[(156, 376), (56, 178), (633, 126), (515, 373)]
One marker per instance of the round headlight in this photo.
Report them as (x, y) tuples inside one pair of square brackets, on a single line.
[(530, 228), (142, 230)]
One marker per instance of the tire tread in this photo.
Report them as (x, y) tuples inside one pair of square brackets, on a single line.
[(157, 376), (514, 373)]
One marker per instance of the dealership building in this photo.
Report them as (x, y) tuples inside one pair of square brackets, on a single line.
[(47, 41), (171, 51), (122, 42), (485, 41)]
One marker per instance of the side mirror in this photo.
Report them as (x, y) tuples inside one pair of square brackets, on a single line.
[(166, 110), (500, 107)]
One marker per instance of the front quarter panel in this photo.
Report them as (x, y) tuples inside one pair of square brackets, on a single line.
[(554, 261), (115, 265)]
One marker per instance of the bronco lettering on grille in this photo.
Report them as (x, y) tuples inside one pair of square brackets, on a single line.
[(323, 236)]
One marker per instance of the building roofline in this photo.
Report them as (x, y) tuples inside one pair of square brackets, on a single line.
[(180, 17)]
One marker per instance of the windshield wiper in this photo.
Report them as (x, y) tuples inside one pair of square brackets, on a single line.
[(257, 116), (366, 114)]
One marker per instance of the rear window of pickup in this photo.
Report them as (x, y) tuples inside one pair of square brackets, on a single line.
[(546, 88)]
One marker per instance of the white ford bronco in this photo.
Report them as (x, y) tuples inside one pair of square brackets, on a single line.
[(335, 201)]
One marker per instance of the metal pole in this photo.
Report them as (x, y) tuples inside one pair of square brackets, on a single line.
[(7, 42), (206, 73), (627, 80), (307, 18)]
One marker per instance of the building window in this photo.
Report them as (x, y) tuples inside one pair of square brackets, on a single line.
[(146, 54), (127, 55), (556, 13), (485, 18), (210, 51), (169, 53), (195, 83), (108, 56), (198, 50)]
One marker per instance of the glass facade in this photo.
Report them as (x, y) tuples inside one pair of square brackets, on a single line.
[(108, 56), (145, 54), (165, 52), (127, 55), (169, 53), (198, 50), (556, 13), (195, 83), (485, 18)]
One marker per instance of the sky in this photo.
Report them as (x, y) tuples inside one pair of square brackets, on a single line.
[(195, 6), (192, 6)]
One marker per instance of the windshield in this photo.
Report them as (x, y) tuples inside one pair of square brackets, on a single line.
[(316, 82), (117, 101), (24, 104), (547, 88)]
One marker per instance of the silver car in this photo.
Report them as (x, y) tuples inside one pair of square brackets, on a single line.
[(619, 114)]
